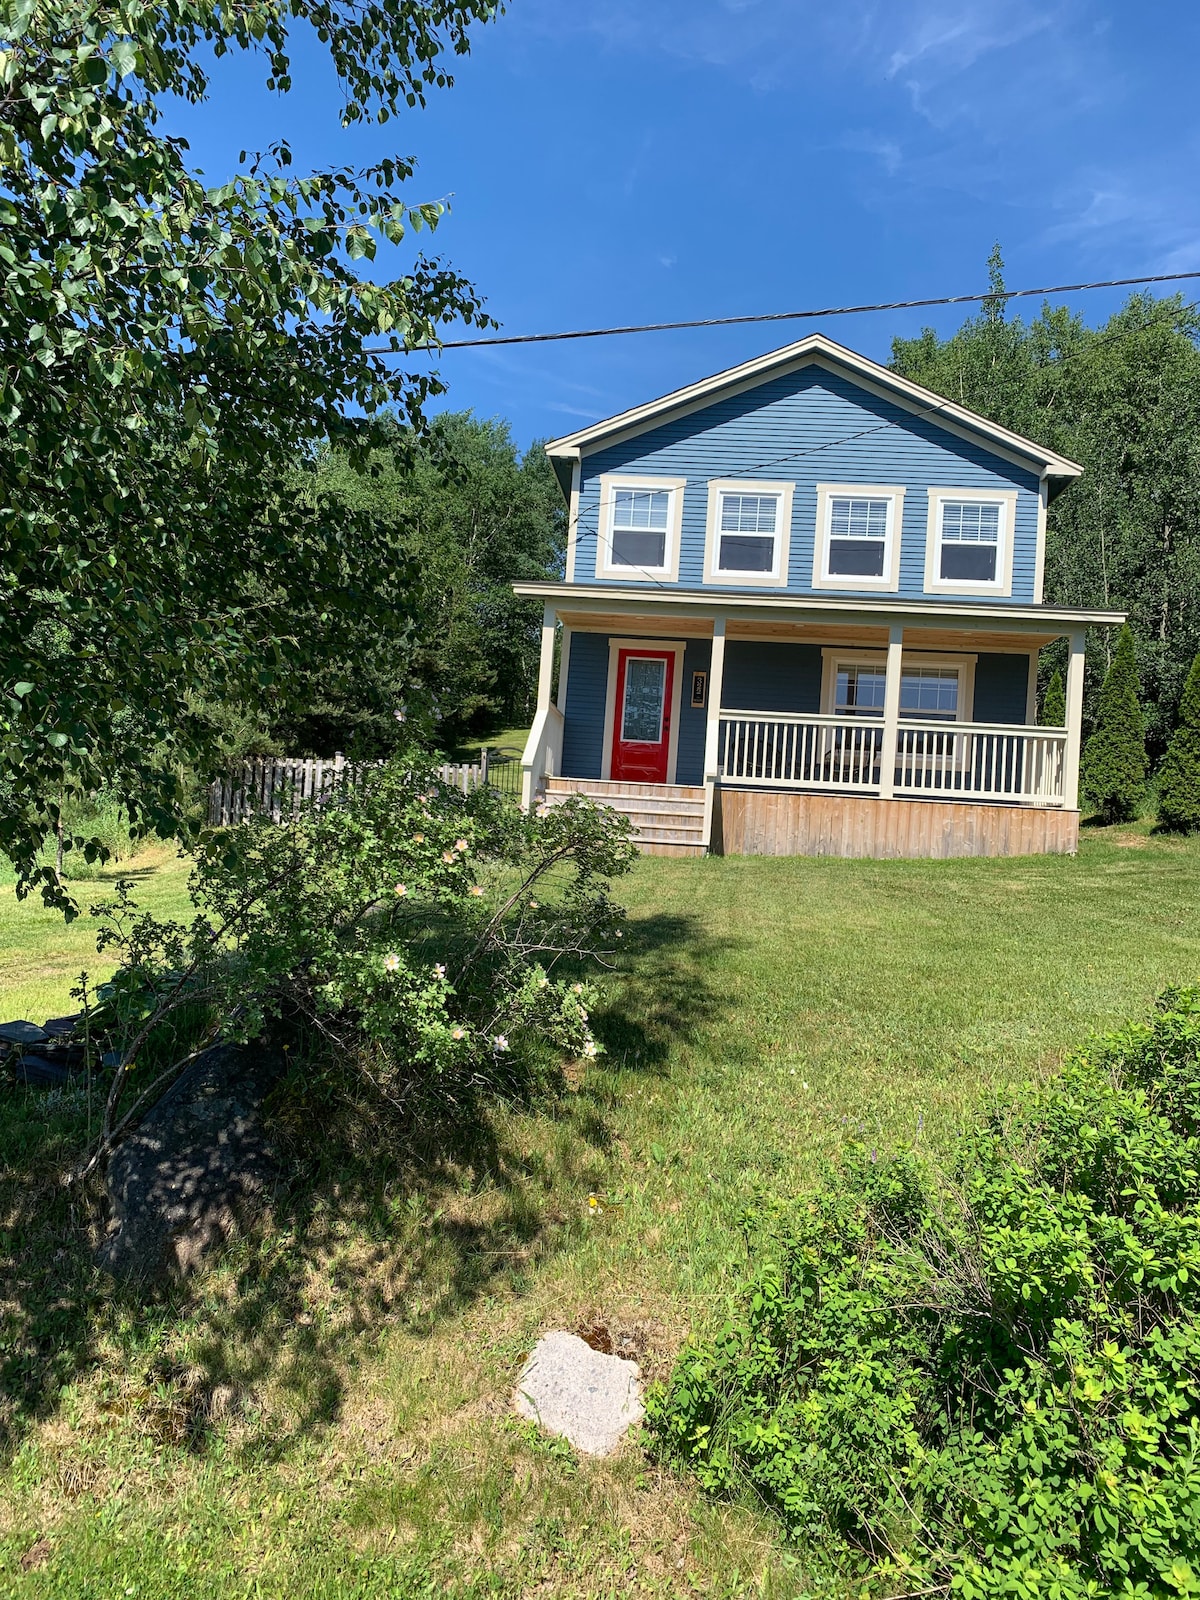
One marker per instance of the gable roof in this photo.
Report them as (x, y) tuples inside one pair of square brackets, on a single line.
[(816, 349)]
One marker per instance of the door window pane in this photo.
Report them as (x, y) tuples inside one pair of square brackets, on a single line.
[(645, 683)]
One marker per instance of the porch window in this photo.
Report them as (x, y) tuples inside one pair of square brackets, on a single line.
[(640, 521), (858, 532), (749, 531), (970, 541), (928, 693)]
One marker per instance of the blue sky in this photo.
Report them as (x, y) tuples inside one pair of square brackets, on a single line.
[(612, 161)]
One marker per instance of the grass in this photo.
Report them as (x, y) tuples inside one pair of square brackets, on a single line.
[(327, 1411), (41, 956)]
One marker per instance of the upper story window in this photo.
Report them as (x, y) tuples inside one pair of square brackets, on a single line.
[(639, 527), (749, 526), (858, 536), (969, 541)]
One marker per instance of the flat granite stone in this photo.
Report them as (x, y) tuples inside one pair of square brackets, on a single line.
[(21, 1033), (570, 1389)]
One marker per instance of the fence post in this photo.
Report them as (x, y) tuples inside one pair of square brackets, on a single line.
[(483, 765)]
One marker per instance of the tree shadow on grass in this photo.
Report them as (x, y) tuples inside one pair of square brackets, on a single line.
[(381, 1222)]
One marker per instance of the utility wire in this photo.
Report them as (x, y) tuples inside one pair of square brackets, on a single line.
[(776, 316)]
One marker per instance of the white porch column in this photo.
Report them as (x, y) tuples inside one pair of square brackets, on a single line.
[(546, 664), (716, 675), (1074, 698), (891, 711)]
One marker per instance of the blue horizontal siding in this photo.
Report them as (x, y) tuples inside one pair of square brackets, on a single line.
[(771, 677), (583, 715), (689, 760), (812, 426), (1001, 688)]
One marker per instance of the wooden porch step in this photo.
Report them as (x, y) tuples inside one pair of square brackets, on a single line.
[(667, 818), (600, 787)]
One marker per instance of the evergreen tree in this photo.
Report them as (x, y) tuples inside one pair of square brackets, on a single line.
[(1113, 774), (1179, 775), (1054, 703)]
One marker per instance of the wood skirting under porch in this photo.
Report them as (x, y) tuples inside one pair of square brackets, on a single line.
[(751, 822)]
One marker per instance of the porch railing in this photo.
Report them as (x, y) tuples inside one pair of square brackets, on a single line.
[(950, 760), (981, 761)]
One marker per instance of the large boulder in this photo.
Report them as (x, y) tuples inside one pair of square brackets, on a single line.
[(197, 1160)]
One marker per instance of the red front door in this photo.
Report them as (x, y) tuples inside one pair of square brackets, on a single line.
[(642, 720)]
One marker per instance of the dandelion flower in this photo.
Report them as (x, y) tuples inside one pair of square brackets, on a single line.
[(592, 1202), (477, 890), (500, 1043), (391, 963), (402, 890)]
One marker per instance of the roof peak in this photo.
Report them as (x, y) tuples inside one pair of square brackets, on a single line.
[(813, 347)]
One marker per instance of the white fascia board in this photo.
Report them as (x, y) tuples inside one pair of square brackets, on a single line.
[(826, 352), (707, 602)]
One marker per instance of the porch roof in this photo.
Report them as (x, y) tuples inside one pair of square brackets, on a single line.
[(999, 615)]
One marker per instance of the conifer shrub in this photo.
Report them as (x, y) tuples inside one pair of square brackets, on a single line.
[(1179, 775), (1113, 770), (1054, 705), (985, 1382)]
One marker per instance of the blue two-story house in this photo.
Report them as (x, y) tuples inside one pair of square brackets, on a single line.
[(802, 614)]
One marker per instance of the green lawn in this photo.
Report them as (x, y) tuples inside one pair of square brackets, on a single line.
[(326, 1413), (41, 956)]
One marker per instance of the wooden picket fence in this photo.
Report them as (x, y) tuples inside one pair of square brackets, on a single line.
[(279, 785)]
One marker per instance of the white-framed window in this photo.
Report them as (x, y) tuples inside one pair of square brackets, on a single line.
[(932, 688), (748, 532), (857, 543), (969, 541), (640, 519)]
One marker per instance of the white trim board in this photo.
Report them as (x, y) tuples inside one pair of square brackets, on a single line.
[(816, 347), (651, 646), (1053, 620)]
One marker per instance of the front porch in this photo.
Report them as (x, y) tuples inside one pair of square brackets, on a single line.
[(789, 730)]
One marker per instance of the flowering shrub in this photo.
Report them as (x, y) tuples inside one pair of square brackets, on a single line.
[(395, 921), (986, 1384)]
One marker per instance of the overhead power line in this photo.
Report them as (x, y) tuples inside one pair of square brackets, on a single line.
[(783, 316)]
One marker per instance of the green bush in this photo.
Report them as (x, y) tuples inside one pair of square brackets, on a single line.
[(1113, 769), (1179, 775), (399, 935), (986, 1383), (1054, 704)]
